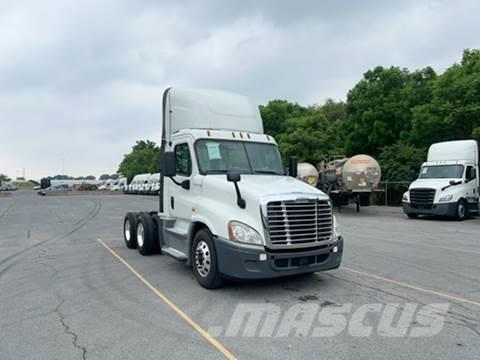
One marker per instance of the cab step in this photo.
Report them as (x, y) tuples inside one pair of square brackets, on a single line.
[(174, 253)]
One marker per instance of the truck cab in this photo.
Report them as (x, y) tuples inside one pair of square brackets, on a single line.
[(448, 183), (227, 206)]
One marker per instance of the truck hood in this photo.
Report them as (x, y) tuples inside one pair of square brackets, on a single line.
[(264, 185), (437, 184), (218, 199)]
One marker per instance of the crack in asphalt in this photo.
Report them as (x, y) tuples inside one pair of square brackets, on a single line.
[(68, 330), (77, 226)]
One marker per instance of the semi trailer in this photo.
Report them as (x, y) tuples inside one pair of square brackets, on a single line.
[(346, 178), (227, 208), (448, 183)]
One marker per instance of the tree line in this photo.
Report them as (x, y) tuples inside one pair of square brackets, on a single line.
[(392, 114)]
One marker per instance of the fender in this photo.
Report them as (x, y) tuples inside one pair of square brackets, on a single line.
[(197, 221)]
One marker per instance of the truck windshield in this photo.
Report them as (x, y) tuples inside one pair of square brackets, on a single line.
[(222, 156), (441, 172)]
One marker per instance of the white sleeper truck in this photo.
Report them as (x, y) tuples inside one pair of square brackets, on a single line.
[(448, 183), (227, 207)]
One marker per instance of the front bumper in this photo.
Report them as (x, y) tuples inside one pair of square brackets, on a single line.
[(444, 209), (240, 261)]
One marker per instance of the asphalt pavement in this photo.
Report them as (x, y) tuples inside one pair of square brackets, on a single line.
[(63, 295)]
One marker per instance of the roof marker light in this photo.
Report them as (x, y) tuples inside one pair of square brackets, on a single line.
[(241, 135), (233, 134)]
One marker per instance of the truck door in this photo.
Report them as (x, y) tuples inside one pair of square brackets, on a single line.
[(180, 201), (471, 187)]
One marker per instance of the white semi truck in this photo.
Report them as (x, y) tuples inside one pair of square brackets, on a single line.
[(448, 183), (227, 207)]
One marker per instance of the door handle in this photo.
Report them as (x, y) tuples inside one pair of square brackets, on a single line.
[(172, 202)]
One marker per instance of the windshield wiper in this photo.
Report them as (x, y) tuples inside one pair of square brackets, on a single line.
[(452, 183)]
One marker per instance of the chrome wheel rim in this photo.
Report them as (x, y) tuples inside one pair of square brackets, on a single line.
[(202, 258), (140, 234), (127, 230)]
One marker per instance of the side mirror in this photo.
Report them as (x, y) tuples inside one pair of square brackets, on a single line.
[(169, 164), (233, 177), (292, 167), (452, 182)]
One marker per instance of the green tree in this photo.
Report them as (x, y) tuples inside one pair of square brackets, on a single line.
[(104, 177), (454, 112), (4, 177), (476, 133), (401, 162), (379, 107), (310, 137), (144, 158), (276, 113)]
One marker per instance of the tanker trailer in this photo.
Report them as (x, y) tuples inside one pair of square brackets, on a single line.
[(307, 173), (354, 178)]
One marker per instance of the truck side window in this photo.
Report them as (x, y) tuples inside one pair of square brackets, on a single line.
[(470, 173), (184, 161)]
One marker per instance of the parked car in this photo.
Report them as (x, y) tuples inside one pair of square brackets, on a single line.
[(54, 189)]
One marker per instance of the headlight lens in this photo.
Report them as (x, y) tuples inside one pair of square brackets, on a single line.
[(446, 198), (336, 232), (405, 196), (240, 232)]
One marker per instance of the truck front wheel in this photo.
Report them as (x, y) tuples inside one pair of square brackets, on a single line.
[(205, 265), (462, 211)]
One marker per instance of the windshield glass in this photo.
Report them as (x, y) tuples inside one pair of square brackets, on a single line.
[(441, 172), (222, 156)]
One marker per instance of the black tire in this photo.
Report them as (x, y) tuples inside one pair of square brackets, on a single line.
[(146, 234), (412, 216), (130, 230), (211, 279), (461, 212)]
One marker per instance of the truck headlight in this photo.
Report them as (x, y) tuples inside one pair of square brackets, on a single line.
[(446, 198), (240, 232), (405, 196), (336, 232)]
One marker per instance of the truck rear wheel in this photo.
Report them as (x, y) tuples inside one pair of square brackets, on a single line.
[(462, 211), (204, 258), (130, 230), (146, 238)]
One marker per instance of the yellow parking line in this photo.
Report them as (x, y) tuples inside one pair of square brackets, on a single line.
[(174, 307), (418, 288)]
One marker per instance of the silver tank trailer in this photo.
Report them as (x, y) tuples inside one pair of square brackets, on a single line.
[(360, 173), (307, 173)]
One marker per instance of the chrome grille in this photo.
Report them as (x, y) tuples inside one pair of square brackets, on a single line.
[(299, 222), (422, 197)]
